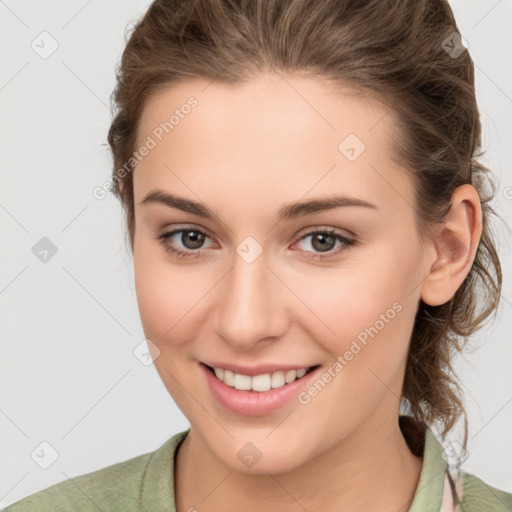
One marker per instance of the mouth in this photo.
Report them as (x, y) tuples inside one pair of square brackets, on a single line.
[(258, 394), (259, 383)]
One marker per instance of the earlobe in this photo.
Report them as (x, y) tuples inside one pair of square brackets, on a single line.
[(455, 247)]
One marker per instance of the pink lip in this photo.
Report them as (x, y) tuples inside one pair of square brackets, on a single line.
[(255, 403), (255, 370)]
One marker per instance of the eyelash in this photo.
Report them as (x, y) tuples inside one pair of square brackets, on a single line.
[(163, 239)]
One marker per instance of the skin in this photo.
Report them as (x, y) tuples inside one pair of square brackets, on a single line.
[(240, 154)]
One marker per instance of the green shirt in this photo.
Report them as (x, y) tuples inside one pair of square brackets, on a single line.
[(146, 483)]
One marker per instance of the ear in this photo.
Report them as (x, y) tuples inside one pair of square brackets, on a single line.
[(455, 244)]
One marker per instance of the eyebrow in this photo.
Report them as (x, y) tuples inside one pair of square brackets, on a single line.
[(287, 212)]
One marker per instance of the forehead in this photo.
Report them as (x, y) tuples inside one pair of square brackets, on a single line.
[(290, 104), (287, 134)]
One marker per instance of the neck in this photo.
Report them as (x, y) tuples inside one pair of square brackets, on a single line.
[(371, 469)]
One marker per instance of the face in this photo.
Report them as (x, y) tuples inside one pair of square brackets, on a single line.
[(258, 285)]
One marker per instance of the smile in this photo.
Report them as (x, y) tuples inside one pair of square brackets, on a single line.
[(259, 383), (259, 393)]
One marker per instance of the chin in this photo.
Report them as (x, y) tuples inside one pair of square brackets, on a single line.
[(261, 456), (273, 463)]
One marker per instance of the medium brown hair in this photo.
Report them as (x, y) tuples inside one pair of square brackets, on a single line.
[(397, 51)]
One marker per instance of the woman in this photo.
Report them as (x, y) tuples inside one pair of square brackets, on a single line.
[(309, 228)]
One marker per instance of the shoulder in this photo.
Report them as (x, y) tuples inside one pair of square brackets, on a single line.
[(478, 495), (119, 484)]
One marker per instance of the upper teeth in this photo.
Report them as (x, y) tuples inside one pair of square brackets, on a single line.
[(258, 382)]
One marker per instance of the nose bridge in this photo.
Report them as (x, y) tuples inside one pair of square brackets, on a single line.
[(249, 309)]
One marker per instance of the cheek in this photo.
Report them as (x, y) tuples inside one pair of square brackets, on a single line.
[(164, 301), (169, 297), (157, 289), (369, 327), (367, 304)]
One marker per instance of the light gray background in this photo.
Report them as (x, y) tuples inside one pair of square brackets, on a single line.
[(70, 326)]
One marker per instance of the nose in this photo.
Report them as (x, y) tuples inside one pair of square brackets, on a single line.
[(251, 305)]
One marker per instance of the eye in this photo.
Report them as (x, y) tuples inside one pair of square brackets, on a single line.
[(325, 240), (191, 238)]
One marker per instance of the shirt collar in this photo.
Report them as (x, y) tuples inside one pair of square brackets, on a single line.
[(157, 492), (429, 491)]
